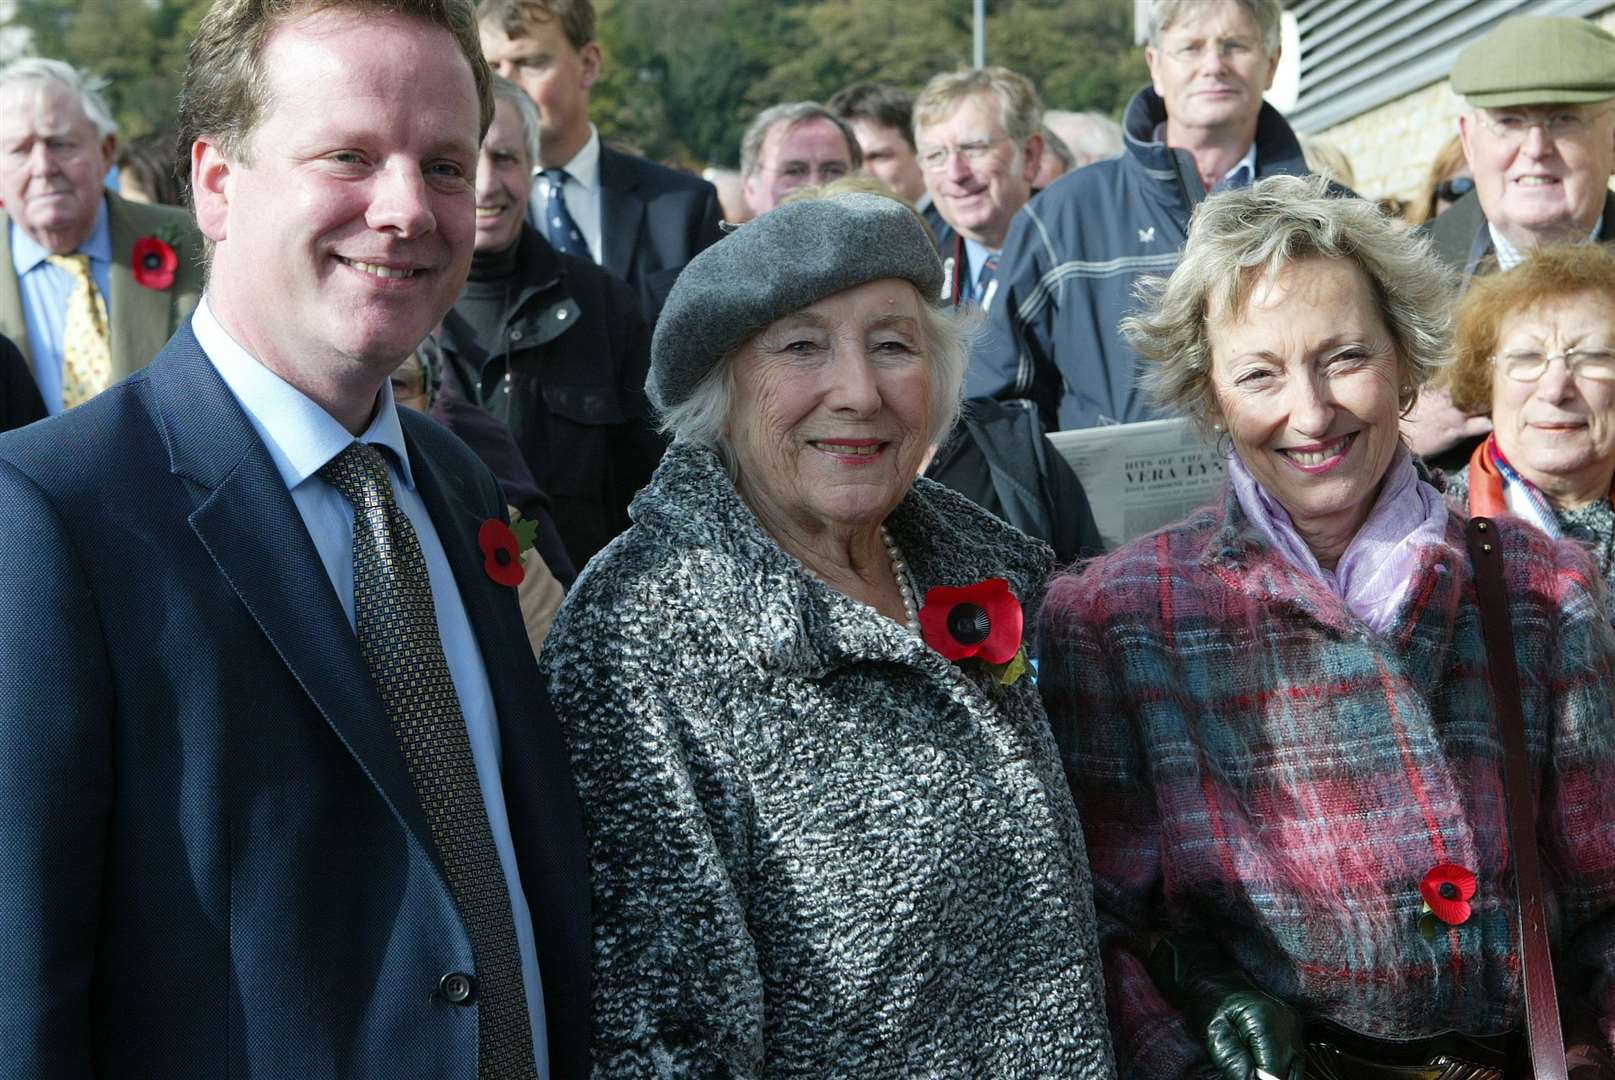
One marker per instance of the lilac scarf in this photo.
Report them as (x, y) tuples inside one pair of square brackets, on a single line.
[(1376, 570)]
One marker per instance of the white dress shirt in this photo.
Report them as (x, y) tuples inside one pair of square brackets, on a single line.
[(582, 193)]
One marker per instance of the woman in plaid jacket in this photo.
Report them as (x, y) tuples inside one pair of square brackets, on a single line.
[(1275, 715)]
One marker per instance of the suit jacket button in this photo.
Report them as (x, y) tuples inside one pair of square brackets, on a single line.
[(457, 988)]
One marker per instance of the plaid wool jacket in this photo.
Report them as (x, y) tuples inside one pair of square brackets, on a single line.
[(1254, 764)]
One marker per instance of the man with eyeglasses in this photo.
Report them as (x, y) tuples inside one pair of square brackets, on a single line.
[(1539, 134), (790, 146), (978, 136), (1072, 256)]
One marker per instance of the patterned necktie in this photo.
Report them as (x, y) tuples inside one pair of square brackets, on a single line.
[(559, 228), (396, 623), (87, 337), (984, 278)]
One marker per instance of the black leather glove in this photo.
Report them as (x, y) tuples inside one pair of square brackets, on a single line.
[(1245, 1029)]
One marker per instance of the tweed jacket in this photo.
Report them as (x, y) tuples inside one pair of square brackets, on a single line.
[(1255, 764), (818, 848), (142, 319)]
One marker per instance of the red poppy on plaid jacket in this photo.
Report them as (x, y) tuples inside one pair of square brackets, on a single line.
[(1254, 764)]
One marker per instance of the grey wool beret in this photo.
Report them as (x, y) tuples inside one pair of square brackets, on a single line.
[(788, 259), (1537, 60)]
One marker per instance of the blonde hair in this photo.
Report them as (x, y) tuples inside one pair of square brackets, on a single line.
[(1240, 238)]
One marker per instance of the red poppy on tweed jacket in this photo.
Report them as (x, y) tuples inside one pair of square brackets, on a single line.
[(1253, 763)]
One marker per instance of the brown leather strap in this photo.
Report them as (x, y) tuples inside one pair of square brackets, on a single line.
[(1536, 966)]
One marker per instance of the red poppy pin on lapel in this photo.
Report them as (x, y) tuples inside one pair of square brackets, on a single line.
[(153, 262), (502, 547), (983, 622), (1447, 890)]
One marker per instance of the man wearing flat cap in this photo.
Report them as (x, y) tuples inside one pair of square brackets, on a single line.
[(1539, 133)]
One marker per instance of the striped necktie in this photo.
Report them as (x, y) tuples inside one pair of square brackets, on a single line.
[(984, 277), (87, 336), (559, 228), (396, 622)]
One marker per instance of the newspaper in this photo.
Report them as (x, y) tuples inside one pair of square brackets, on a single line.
[(1139, 477)]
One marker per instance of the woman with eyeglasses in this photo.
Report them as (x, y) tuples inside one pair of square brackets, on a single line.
[(1536, 347)]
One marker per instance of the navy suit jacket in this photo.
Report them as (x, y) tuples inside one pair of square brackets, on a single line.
[(653, 220), (212, 859)]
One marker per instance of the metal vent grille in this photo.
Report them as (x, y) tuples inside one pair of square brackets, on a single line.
[(1359, 54)]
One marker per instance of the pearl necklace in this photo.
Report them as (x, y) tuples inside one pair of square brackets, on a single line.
[(905, 583)]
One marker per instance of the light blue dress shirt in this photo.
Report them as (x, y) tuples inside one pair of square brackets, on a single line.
[(45, 289), (301, 437)]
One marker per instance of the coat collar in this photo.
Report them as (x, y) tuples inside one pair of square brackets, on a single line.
[(247, 521), (622, 211), (1277, 148), (1235, 553), (782, 618)]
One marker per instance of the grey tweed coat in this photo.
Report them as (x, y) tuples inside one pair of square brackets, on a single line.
[(818, 848)]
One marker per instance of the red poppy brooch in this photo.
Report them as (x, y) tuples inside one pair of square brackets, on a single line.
[(153, 262), (1447, 890), (981, 622), (502, 547)]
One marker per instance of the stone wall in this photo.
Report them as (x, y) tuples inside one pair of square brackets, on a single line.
[(1391, 147)]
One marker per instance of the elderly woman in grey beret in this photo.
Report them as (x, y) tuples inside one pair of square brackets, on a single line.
[(820, 846)]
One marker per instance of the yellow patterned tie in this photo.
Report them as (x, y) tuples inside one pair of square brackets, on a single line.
[(87, 337)]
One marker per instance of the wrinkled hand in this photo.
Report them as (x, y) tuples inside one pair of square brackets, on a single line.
[(1435, 424), (1244, 1028)]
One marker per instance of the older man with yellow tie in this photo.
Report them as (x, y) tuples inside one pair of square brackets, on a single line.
[(91, 286)]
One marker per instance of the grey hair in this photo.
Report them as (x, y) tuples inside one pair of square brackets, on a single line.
[(703, 417), (791, 113), (505, 90), (1091, 136), (1161, 14), (1243, 237), (39, 70), (1020, 110)]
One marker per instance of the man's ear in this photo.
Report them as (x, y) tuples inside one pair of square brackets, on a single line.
[(592, 58), (211, 174), (1465, 132), (109, 151), (1032, 156)]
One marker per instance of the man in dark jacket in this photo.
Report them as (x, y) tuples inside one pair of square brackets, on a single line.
[(1539, 136), (1072, 256), (552, 345), (639, 220)]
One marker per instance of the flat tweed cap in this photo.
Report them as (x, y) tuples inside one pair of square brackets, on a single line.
[(1537, 60), (789, 258)]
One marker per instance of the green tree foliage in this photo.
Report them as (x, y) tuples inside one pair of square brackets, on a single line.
[(682, 77), (137, 45)]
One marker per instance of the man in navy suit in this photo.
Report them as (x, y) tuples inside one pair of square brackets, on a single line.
[(282, 793), (639, 220)]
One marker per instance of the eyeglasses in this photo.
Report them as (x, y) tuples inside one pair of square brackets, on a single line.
[(935, 158), (1226, 48), (1528, 365), (1454, 189), (1513, 127)]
